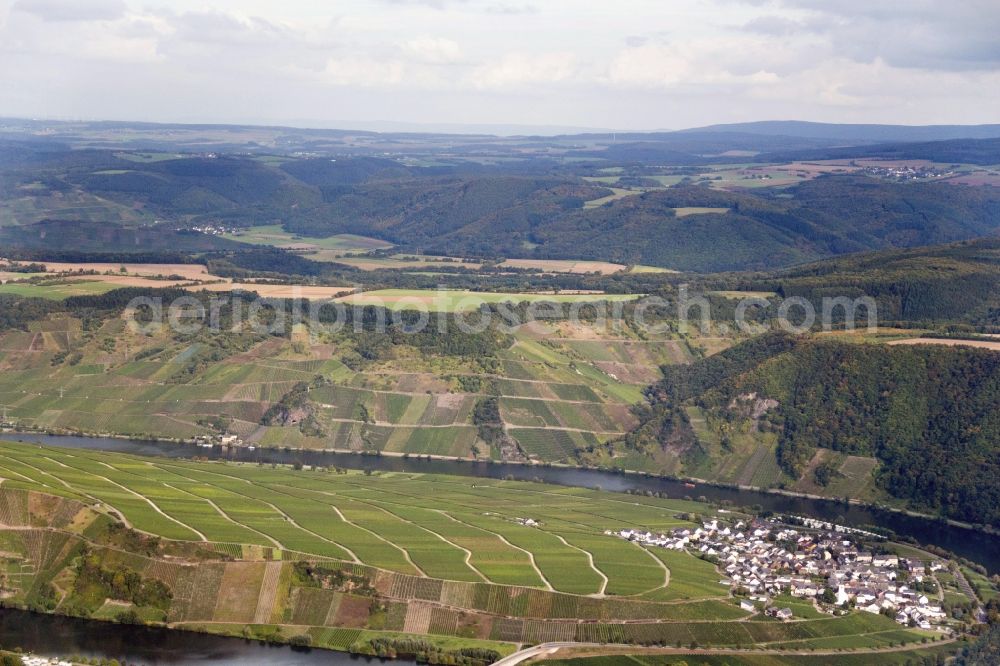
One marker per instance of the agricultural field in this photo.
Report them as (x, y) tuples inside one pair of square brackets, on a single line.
[(616, 193), (678, 657), (7, 276), (560, 388), (183, 271), (276, 236), (64, 285), (408, 262), (346, 557), (698, 210), (64, 279), (297, 291), (737, 295), (749, 175), (752, 176), (565, 266), (425, 526), (949, 342), (463, 301), (640, 268), (346, 249), (57, 289)]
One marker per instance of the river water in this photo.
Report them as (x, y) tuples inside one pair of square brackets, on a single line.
[(58, 636)]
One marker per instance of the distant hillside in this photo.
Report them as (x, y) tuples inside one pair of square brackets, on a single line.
[(544, 217), (820, 218), (477, 215), (862, 133), (691, 147), (926, 413), (951, 151), (197, 184), (61, 236), (541, 210), (957, 282)]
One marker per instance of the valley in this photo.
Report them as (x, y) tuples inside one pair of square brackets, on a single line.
[(499, 333), (305, 333)]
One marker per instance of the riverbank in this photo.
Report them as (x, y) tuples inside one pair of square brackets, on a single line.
[(53, 635), (602, 654)]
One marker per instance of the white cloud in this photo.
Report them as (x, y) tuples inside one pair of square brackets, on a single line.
[(631, 64), (521, 69), (72, 10), (921, 34), (655, 65), (433, 50), (364, 72)]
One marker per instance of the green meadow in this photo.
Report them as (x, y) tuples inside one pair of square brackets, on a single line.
[(275, 236), (464, 301), (57, 290)]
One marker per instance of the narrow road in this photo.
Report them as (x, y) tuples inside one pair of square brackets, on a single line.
[(531, 556), (590, 559), (128, 490), (548, 649), (537, 651)]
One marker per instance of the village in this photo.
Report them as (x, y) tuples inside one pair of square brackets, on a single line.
[(224, 440), (33, 660), (905, 172), (763, 559)]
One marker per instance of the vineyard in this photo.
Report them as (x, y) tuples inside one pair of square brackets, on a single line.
[(559, 393), (377, 586)]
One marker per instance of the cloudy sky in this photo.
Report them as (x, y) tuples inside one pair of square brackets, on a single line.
[(623, 64)]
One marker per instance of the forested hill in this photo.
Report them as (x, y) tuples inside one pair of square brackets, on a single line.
[(820, 218), (928, 413), (531, 209), (545, 218), (855, 133), (968, 151), (61, 237), (956, 283)]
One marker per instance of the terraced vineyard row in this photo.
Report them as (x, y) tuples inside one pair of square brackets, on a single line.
[(254, 590), (561, 395), (439, 527)]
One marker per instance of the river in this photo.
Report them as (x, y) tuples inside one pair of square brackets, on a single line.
[(58, 636)]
